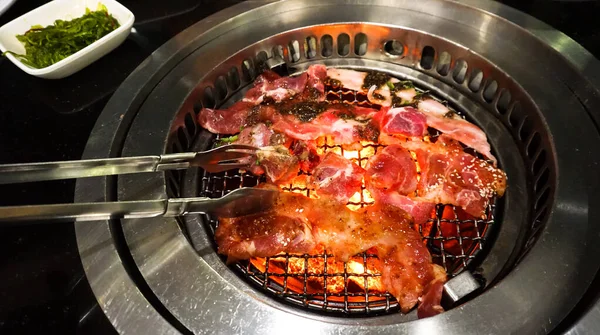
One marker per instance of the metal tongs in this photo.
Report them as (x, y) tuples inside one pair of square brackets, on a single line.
[(240, 202), (216, 160)]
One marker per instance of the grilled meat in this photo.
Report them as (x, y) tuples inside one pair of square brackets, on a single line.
[(392, 168), (451, 176), (296, 224), (287, 116), (337, 177)]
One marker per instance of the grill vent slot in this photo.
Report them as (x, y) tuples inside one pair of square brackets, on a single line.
[(533, 144), (221, 88), (326, 46), (542, 198), (208, 100), (343, 45), (516, 115), (197, 107), (525, 128), (475, 80), (360, 44), (444, 63), (460, 71), (233, 79), (262, 57), (542, 179), (248, 72), (427, 57), (310, 47), (490, 91), (182, 137), (503, 101), (278, 52), (539, 220), (538, 162), (190, 125), (294, 51)]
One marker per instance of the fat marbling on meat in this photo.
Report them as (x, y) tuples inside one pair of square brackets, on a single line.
[(337, 177)]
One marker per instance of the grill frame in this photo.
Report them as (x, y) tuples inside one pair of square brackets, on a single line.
[(107, 136)]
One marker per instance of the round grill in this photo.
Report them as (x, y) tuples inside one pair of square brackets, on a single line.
[(535, 105), (318, 281)]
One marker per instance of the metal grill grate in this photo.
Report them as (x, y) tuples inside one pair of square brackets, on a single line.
[(318, 281)]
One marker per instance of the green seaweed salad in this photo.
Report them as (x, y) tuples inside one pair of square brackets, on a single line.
[(46, 46)]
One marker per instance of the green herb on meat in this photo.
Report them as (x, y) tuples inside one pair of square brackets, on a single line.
[(404, 85), (399, 86), (305, 111), (226, 140), (375, 78), (49, 45)]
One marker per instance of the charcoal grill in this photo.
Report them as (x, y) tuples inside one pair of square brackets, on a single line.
[(317, 281), (536, 102)]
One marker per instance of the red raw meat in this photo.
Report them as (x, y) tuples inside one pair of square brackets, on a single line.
[(405, 121), (392, 168), (430, 301), (337, 177), (464, 132), (307, 121), (420, 209), (451, 176), (270, 86), (315, 87), (278, 164), (346, 124), (258, 136), (225, 121), (440, 118), (306, 151)]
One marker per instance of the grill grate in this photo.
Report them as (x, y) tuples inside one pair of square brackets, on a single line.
[(318, 281)]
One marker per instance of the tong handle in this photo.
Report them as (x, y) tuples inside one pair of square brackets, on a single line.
[(83, 211), (240, 202), (90, 211), (20, 173)]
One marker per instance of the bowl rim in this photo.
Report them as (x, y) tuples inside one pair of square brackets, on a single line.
[(67, 60)]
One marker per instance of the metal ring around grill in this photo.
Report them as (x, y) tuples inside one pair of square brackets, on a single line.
[(184, 287)]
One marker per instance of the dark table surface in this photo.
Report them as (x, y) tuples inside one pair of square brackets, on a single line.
[(42, 285)]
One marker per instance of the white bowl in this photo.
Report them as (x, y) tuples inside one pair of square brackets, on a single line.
[(66, 10)]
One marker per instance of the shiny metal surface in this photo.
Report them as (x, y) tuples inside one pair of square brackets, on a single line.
[(218, 159), (461, 286), (515, 206), (124, 304), (545, 285), (589, 321), (244, 201)]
